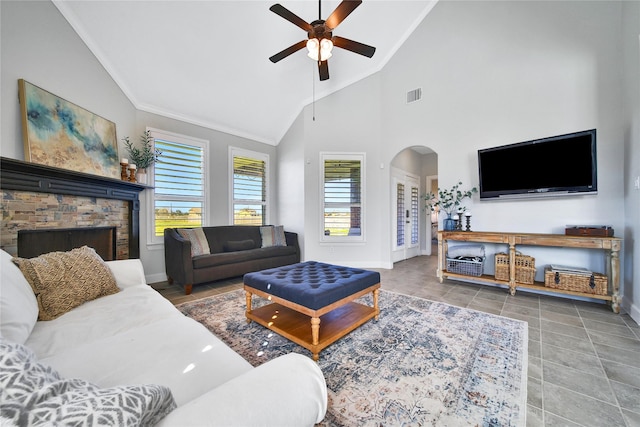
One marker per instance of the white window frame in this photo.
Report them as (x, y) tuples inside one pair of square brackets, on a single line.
[(152, 239), (347, 157), (241, 152)]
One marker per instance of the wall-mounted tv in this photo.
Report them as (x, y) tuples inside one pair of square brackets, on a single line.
[(553, 166)]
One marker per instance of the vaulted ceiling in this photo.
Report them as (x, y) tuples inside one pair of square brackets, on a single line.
[(206, 62)]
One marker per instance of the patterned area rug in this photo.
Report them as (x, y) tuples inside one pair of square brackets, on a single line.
[(422, 363)]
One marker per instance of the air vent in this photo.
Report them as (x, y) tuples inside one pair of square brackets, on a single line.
[(414, 95)]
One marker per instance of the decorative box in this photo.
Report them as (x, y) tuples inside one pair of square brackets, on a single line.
[(525, 268), (595, 283)]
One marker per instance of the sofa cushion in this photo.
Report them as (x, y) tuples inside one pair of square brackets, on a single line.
[(34, 394), (239, 245), (177, 352), (218, 236), (142, 305), (18, 305), (273, 236), (199, 243), (65, 280), (204, 261)]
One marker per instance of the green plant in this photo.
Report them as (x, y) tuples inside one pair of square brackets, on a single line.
[(448, 200), (145, 156)]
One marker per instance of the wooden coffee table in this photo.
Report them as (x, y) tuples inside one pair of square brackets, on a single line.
[(312, 304)]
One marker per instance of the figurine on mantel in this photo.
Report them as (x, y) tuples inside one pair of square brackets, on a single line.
[(139, 158)]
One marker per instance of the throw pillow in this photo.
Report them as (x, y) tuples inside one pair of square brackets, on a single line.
[(18, 305), (272, 236), (239, 245), (65, 280), (199, 242), (34, 394)]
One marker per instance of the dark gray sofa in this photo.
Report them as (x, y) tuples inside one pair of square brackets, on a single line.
[(224, 261)]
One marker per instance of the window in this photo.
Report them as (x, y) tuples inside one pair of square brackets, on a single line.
[(342, 200), (249, 192), (400, 215), (179, 183)]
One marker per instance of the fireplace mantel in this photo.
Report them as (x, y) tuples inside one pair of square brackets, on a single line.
[(26, 176)]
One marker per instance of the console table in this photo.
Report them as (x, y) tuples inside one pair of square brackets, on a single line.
[(610, 246)]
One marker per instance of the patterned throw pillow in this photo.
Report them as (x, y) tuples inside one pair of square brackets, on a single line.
[(272, 236), (33, 394), (199, 242), (65, 280)]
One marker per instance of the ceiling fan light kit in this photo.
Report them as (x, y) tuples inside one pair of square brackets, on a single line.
[(320, 39), (319, 50)]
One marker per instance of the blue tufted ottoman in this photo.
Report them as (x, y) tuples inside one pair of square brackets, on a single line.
[(315, 292)]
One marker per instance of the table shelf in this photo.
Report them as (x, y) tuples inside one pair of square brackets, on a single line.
[(609, 245)]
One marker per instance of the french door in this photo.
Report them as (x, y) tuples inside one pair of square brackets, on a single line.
[(405, 193)]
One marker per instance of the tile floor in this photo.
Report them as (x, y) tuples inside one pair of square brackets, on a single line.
[(584, 360)]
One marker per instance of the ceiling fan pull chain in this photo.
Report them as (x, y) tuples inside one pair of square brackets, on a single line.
[(313, 93)]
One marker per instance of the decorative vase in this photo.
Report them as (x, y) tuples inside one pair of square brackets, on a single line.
[(448, 223), (142, 176)]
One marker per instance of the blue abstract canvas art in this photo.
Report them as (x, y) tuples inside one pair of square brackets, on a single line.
[(59, 133)]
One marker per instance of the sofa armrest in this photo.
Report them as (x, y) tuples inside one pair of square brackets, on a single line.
[(287, 391), (177, 257), (292, 240), (127, 272)]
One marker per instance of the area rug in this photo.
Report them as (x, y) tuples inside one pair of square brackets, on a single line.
[(423, 363)]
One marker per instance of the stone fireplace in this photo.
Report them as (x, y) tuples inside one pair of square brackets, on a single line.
[(42, 197)]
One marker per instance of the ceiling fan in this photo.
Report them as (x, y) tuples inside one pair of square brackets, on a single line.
[(320, 39)]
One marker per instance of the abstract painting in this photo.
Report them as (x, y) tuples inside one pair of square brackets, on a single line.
[(59, 133)]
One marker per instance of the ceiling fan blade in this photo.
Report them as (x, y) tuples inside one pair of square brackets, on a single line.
[(288, 51), (356, 47), (323, 70), (278, 9), (342, 11)]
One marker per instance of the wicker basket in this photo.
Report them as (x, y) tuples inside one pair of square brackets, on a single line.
[(466, 267), (595, 284), (525, 268)]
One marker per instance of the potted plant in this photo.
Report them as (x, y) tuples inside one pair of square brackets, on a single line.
[(448, 201), (142, 157)]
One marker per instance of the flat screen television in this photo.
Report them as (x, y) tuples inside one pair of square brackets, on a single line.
[(553, 166)]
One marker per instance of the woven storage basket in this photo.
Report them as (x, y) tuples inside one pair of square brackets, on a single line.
[(467, 267), (525, 268), (595, 284)]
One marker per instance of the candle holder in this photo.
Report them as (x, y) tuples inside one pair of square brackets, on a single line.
[(132, 173), (457, 223), (124, 175), (468, 217)]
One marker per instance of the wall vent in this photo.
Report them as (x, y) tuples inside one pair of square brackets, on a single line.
[(414, 95)]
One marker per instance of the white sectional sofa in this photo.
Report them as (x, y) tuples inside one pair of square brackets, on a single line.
[(135, 336)]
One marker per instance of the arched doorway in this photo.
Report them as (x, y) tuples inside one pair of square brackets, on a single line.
[(413, 172)]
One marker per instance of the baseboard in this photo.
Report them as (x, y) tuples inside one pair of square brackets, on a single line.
[(632, 309)]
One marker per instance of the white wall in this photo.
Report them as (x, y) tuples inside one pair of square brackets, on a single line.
[(631, 71), (39, 46), (348, 121), (291, 178), (491, 73)]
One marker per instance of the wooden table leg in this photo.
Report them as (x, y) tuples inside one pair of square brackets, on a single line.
[(442, 251), (315, 330), (249, 308), (315, 335), (614, 277), (512, 269), (376, 293)]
